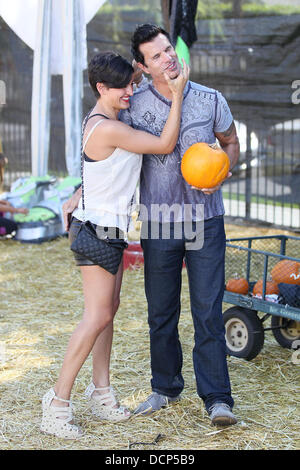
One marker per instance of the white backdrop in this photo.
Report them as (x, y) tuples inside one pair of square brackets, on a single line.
[(56, 31), (22, 17)]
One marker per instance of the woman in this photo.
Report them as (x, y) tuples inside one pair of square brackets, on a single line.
[(112, 162)]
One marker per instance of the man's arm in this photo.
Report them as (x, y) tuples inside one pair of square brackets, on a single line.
[(229, 142), (69, 206)]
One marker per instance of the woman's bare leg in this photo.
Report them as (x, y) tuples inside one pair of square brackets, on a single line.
[(102, 346), (98, 289)]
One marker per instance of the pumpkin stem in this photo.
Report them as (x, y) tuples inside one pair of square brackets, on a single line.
[(214, 146)]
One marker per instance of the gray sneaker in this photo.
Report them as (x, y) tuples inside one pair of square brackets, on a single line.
[(154, 402), (221, 414)]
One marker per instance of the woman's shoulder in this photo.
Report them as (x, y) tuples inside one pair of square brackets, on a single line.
[(103, 126)]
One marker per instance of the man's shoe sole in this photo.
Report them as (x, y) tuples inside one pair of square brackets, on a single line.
[(223, 421)]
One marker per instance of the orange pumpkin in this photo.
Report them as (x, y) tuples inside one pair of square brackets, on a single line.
[(204, 166), (237, 284), (287, 271), (271, 288)]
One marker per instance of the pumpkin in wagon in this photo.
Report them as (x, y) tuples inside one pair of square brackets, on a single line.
[(271, 288), (287, 271), (236, 284), (204, 165)]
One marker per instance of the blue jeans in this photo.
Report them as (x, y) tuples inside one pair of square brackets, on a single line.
[(205, 268)]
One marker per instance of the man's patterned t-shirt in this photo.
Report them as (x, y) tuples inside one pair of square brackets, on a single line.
[(204, 112)]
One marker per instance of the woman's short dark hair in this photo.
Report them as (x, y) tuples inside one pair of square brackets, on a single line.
[(144, 33), (111, 69)]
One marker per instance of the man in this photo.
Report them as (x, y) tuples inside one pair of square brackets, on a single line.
[(205, 117)]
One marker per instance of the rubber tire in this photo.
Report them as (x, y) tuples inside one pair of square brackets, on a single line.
[(256, 334), (278, 335)]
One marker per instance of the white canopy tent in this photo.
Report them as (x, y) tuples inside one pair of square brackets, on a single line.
[(56, 31)]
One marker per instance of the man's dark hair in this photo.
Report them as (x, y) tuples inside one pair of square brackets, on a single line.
[(111, 69), (144, 33)]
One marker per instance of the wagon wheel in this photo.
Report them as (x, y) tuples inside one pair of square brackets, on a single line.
[(244, 332), (288, 333)]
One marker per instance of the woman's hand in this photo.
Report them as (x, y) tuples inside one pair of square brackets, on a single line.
[(177, 85), (69, 206)]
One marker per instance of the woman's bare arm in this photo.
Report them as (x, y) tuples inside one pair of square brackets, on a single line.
[(117, 134)]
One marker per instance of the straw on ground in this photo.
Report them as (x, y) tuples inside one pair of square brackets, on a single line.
[(41, 303)]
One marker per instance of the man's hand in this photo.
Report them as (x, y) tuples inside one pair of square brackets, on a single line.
[(216, 188), (69, 206)]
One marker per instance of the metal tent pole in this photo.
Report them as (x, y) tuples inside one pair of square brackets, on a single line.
[(73, 44), (40, 105)]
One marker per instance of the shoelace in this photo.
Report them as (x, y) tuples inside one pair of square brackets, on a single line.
[(218, 405)]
